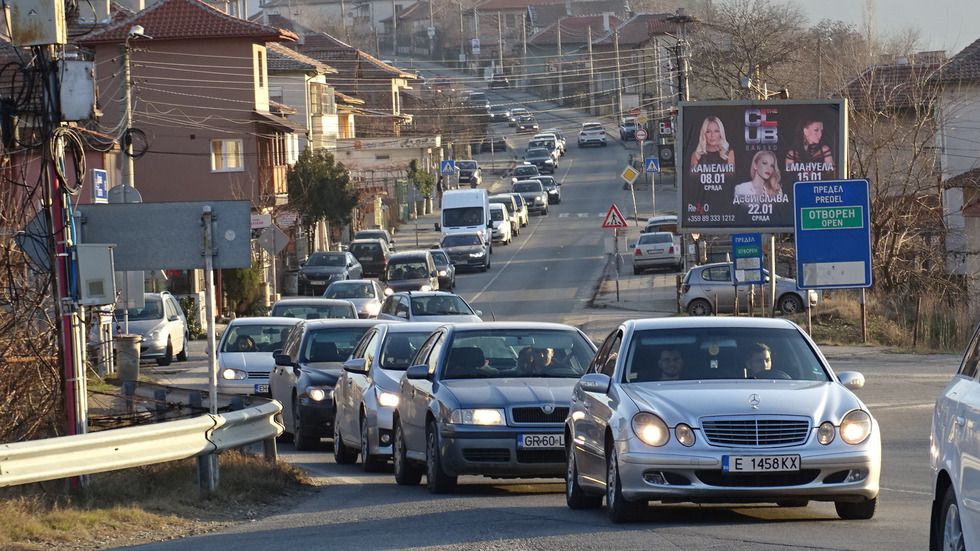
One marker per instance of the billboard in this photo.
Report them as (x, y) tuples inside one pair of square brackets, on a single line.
[(737, 160)]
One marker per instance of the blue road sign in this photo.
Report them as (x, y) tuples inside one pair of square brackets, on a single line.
[(747, 253), (100, 185), (833, 234), (652, 164), (449, 167)]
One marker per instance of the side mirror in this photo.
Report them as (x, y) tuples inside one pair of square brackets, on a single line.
[(595, 382), (283, 359), (851, 379), (479, 312), (356, 365), (434, 273), (437, 228), (418, 372)]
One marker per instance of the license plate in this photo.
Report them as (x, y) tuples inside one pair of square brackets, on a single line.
[(316, 282), (656, 251), (540, 441), (261, 388), (759, 463), (364, 258)]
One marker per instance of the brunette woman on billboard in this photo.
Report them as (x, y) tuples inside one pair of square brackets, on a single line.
[(764, 187), (713, 148), (810, 152)]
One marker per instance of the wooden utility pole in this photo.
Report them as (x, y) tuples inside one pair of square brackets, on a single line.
[(591, 76), (561, 82)]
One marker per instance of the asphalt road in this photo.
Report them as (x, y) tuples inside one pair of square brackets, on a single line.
[(549, 273)]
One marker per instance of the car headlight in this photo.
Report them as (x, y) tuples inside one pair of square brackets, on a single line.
[(478, 417), (425, 288), (319, 393), (855, 427), (154, 335), (443, 273), (230, 374), (651, 429), (826, 433), (684, 434), (372, 308), (388, 399), (388, 291), (539, 199), (478, 254)]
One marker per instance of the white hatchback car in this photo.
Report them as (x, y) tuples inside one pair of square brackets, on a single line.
[(954, 455), (502, 230), (245, 353)]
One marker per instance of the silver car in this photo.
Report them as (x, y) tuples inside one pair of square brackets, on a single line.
[(718, 410), (656, 250), (711, 284), (367, 391), (245, 353), (436, 306), (954, 455), (162, 324), (487, 399), (365, 294)]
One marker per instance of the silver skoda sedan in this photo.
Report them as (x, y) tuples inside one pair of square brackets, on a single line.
[(718, 410)]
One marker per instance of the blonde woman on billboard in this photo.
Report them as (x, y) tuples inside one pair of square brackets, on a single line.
[(810, 149), (764, 187), (713, 148)]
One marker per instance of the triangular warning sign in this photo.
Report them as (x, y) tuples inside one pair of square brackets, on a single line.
[(614, 219)]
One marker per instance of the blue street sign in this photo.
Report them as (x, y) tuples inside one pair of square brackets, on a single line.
[(100, 185), (449, 167), (833, 234), (747, 254), (652, 164)]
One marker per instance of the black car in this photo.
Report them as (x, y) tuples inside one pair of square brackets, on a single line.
[(524, 172), (372, 254), (552, 187), (411, 271), (541, 158), (499, 113), (469, 173), (499, 80), (526, 124), (377, 233), (627, 130), (321, 268), (467, 250), (306, 372), (447, 272)]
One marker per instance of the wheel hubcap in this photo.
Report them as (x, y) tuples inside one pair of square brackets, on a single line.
[(571, 473), (364, 440), (611, 481), (952, 531)]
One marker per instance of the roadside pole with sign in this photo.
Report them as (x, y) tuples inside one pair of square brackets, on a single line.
[(614, 220), (747, 265), (630, 174)]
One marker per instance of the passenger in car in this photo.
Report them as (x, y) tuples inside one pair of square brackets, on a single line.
[(671, 363), (758, 361)]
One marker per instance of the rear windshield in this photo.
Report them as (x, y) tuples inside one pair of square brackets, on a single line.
[(468, 165), (521, 187)]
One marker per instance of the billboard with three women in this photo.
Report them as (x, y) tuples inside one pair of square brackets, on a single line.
[(737, 160)]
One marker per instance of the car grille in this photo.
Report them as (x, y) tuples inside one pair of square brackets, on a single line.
[(541, 456), (537, 416), (487, 455), (757, 480), (756, 431), (258, 374)]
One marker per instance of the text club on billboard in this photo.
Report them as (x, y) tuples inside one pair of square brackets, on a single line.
[(740, 160)]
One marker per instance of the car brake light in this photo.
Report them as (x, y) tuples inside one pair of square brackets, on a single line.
[(671, 251), (685, 288), (638, 252), (581, 133), (602, 132)]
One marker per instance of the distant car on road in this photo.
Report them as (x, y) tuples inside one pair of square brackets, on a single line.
[(534, 195), (705, 285), (377, 233), (592, 133), (440, 306), (365, 294), (323, 267), (469, 173), (541, 158), (467, 250), (447, 272), (526, 124), (163, 327), (954, 458), (516, 113), (494, 142), (499, 80), (627, 130), (524, 172), (372, 254), (411, 271), (552, 187), (656, 250), (310, 308), (499, 113), (502, 232)]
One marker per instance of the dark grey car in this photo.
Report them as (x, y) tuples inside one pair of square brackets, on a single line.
[(534, 195), (411, 271), (322, 268), (541, 158), (487, 399), (467, 250)]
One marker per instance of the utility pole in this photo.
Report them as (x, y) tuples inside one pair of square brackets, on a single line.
[(394, 29), (431, 32), (591, 76), (127, 115), (524, 52), (619, 77), (681, 20), (500, 43), (561, 82), (462, 52)]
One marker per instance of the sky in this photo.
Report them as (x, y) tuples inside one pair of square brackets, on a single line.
[(949, 25)]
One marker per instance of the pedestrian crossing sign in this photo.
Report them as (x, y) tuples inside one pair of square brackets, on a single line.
[(449, 167), (614, 219), (653, 164)]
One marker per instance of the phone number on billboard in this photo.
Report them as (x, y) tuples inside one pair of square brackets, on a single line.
[(711, 218)]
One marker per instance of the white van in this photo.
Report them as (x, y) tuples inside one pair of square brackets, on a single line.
[(466, 210)]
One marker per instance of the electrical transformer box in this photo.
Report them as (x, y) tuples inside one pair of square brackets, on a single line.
[(96, 282), (37, 22), (77, 90)]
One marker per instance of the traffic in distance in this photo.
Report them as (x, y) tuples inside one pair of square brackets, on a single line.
[(409, 380)]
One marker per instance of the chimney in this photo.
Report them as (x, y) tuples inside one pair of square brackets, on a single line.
[(605, 21)]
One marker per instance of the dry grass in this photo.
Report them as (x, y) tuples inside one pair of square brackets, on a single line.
[(143, 504)]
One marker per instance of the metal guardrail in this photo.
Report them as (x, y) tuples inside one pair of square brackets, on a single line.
[(110, 450)]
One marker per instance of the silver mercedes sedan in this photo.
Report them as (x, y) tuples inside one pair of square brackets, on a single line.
[(718, 410), (488, 399)]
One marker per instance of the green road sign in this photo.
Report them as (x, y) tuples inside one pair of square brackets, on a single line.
[(832, 218)]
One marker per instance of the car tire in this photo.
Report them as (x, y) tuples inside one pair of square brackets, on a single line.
[(182, 355), (604, 144), (699, 307), (302, 440), (370, 462), (575, 496), (617, 507), (342, 455), (790, 304), (862, 510), (406, 474), (168, 355), (637, 270), (947, 529), (436, 478)]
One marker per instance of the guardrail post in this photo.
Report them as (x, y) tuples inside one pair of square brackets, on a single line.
[(160, 403), (269, 450), (129, 393), (237, 403)]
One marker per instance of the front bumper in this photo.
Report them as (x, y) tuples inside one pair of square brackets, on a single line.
[(250, 386), (697, 476), (317, 417), (493, 451)]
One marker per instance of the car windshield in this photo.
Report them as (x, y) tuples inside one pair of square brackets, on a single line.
[(723, 353), (498, 109), (314, 311), (333, 344), (328, 259), (255, 338), (522, 353), (526, 118), (440, 258), (440, 305), (399, 349), (151, 310), (466, 165), (365, 249), (521, 187), (463, 216), (537, 152), (350, 289), (592, 126), (497, 215), (461, 240), (406, 270)]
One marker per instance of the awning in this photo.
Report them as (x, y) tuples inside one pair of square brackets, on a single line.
[(288, 126)]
